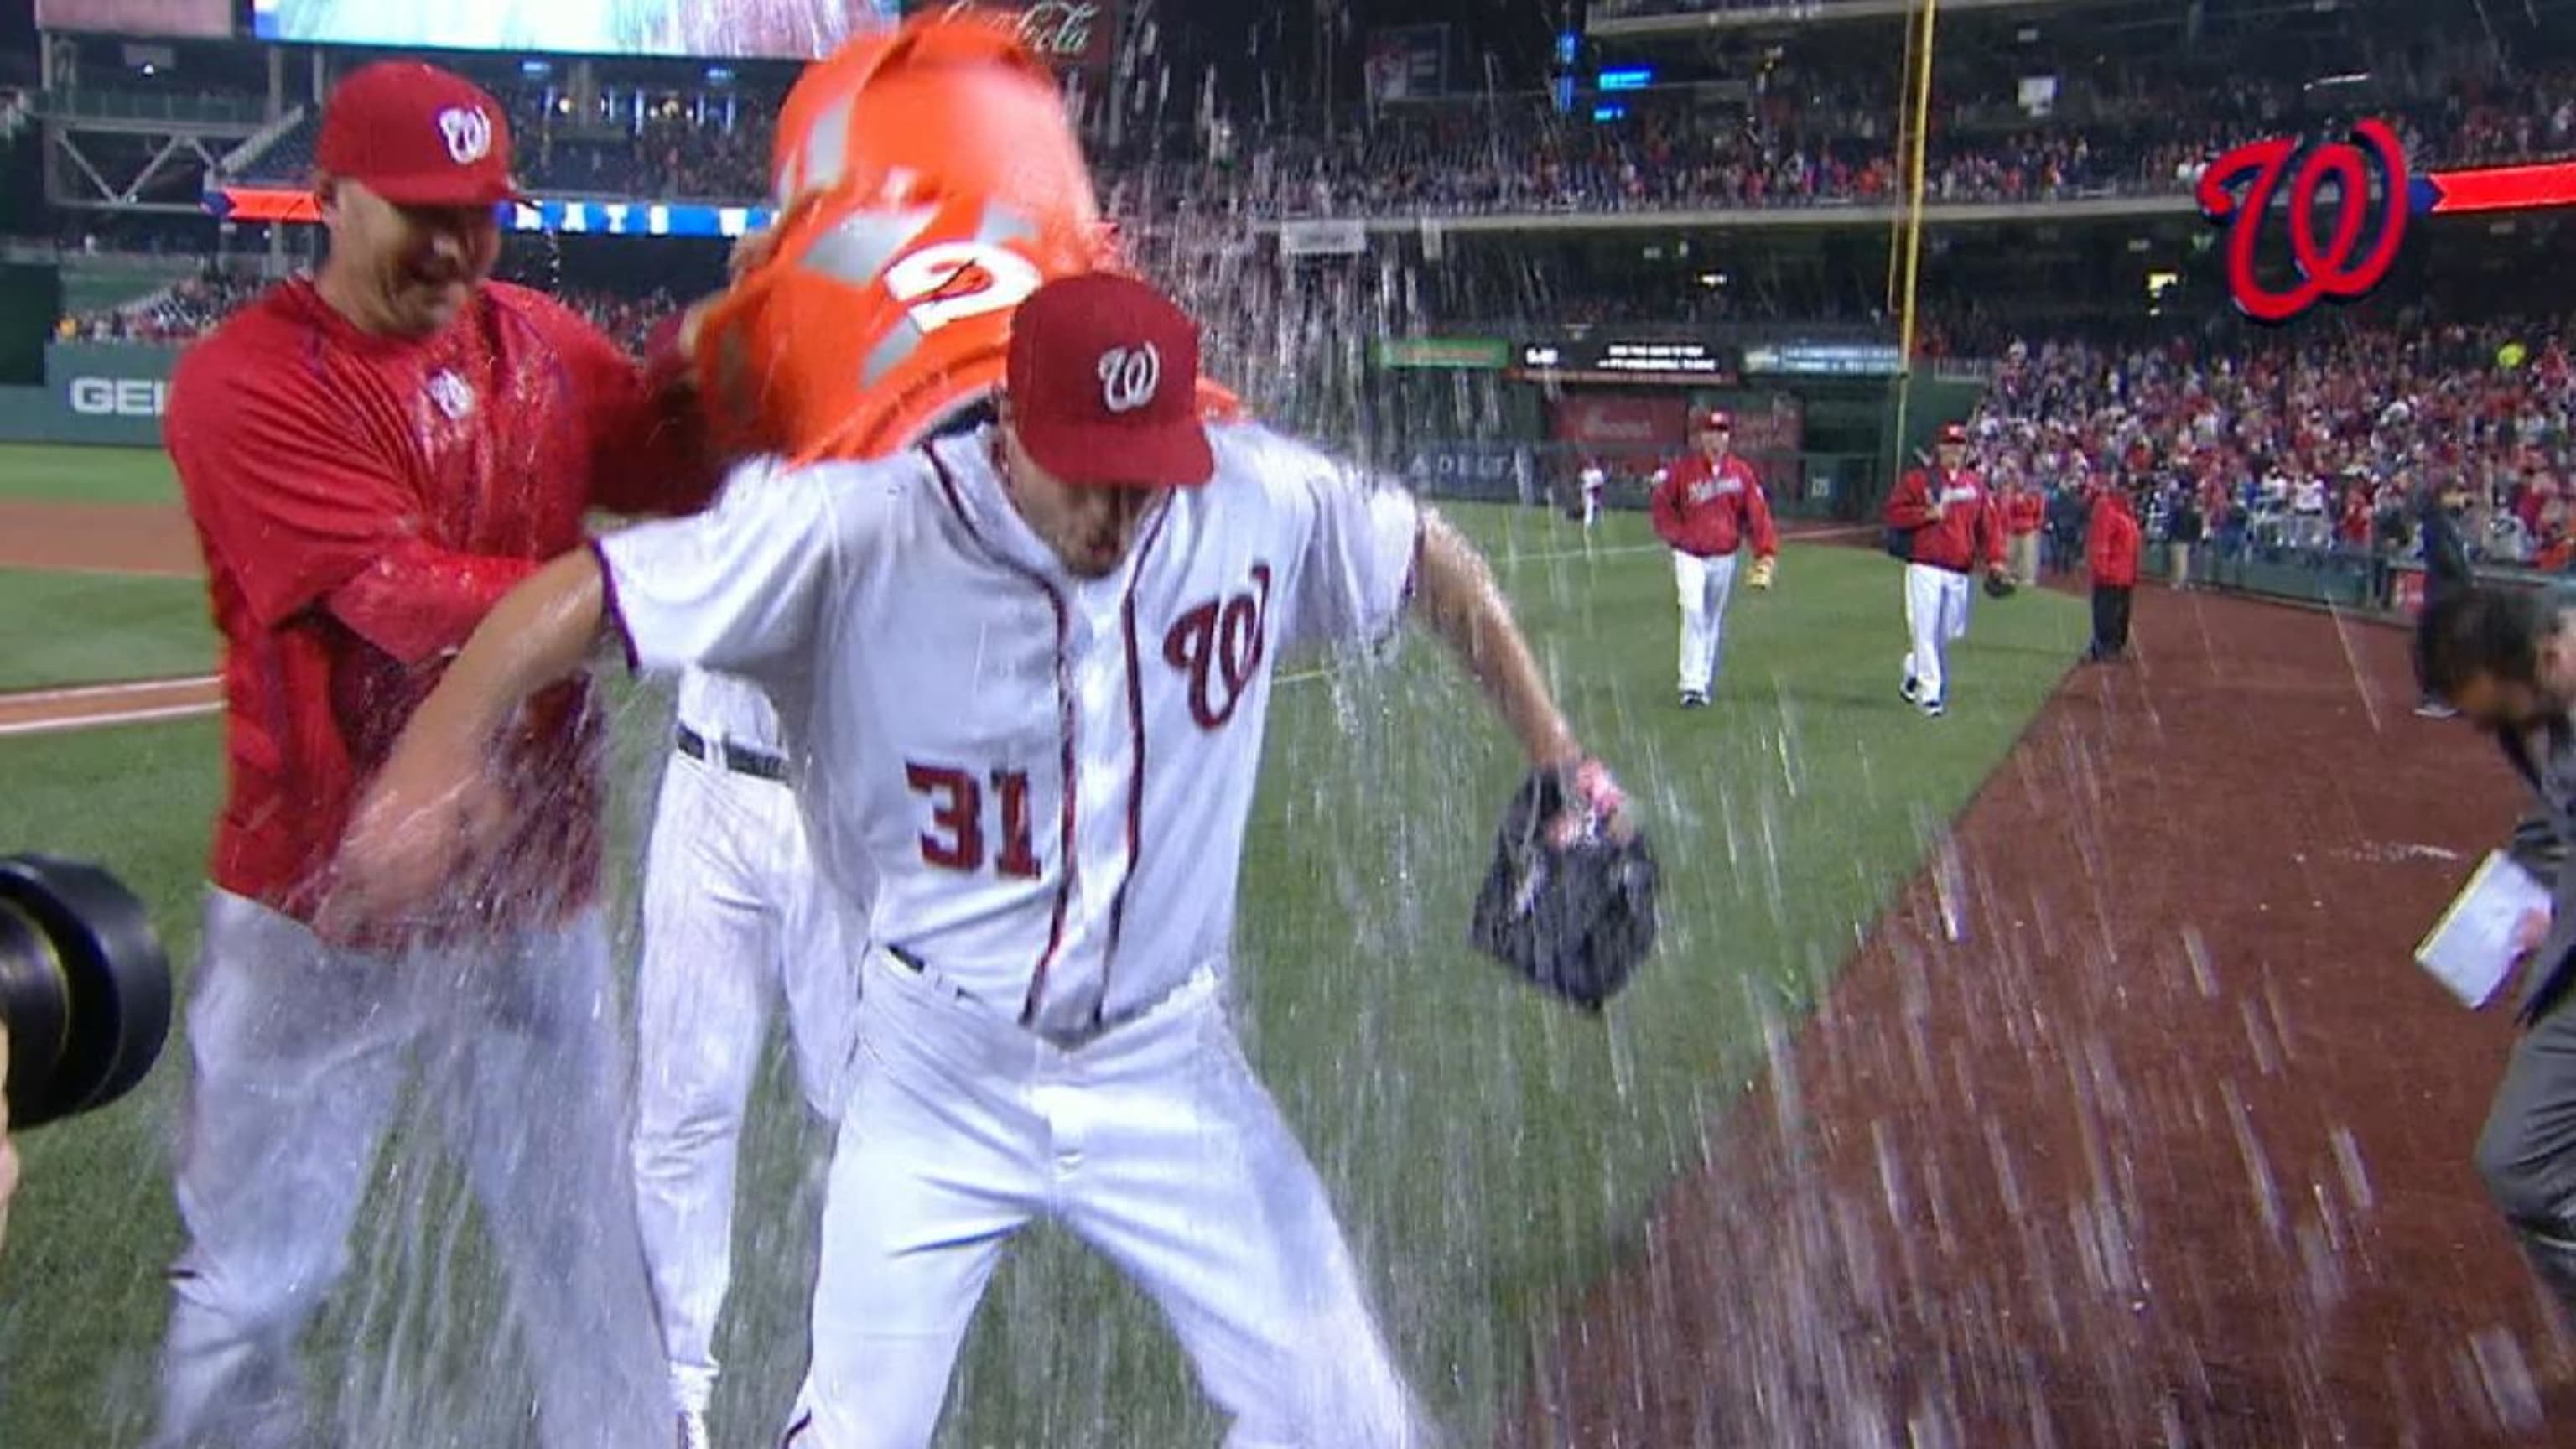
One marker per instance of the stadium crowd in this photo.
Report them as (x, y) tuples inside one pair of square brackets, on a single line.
[(2317, 446), (190, 308), (1794, 143)]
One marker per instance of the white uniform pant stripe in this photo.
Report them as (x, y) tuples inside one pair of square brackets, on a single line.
[(1155, 1145), (734, 918), (302, 1053), (1936, 612), (1704, 585)]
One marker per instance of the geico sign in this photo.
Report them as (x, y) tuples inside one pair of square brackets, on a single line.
[(117, 397)]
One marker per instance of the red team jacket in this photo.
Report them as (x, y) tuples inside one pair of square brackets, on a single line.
[(1970, 532), (2111, 542), (362, 502), (2024, 511), (1709, 509)]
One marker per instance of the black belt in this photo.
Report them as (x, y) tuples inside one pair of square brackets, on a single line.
[(1074, 1040), (732, 756)]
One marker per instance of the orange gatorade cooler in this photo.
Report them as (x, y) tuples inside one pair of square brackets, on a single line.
[(927, 181)]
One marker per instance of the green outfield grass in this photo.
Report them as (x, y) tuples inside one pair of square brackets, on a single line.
[(59, 629), (1491, 1153), (86, 475)]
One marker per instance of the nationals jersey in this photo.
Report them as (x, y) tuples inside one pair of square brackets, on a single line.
[(1042, 781)]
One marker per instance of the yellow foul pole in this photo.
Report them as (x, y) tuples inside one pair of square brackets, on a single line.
[(1919, 110)]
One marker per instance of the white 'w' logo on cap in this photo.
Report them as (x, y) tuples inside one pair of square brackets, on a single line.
[(468, 132), (1129, 377)]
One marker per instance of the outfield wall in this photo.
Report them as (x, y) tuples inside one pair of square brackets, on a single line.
[(94, 392)]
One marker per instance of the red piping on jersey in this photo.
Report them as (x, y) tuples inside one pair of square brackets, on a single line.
[(1136, 775), (1065, 723)]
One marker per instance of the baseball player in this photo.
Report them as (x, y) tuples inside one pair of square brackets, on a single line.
[(1952, 526), (1594, 481), (734, 919), (372, 457), (1030, 665), (1708, 507)]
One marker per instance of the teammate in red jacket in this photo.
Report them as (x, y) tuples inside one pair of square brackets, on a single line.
[(1952, 526), (1708, 506), (372, 457), (2111, 546)]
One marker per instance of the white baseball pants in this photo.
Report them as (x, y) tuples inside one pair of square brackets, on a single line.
[(734, 917), (302, 1054), (1936, 612), (1704, 585), (1154, 1144)]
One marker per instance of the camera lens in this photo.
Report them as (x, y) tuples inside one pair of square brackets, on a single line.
[(84, 988)]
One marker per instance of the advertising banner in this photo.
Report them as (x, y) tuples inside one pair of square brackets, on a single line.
[(1618, 422)]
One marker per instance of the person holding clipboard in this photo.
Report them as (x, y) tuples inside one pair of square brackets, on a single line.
[(2506, 660)]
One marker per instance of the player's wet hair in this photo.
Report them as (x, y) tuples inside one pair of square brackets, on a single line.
[(2465, 633)]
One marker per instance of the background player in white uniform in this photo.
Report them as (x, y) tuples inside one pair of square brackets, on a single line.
[(734, 918), (1594, 481), (1033, 667)]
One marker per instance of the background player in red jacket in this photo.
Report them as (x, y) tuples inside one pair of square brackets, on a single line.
[(373, 456), (1953, 526), (1708, 506), (2111, 547), (2024, 511)]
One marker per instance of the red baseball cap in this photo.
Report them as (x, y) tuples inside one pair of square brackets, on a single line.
[(417, 136), (1103, 381), (1707, 419), (1954, 432)]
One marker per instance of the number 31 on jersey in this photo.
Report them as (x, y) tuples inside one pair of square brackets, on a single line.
[(956, 839)]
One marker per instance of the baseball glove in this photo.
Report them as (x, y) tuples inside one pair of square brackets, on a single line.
[(1760, 578), (1566, 904), (1999, 587)]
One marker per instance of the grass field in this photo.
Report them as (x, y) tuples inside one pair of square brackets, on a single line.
[(94, 628), (86, 475), (1491, 1154)]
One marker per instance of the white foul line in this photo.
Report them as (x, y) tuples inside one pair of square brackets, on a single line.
[(109, 717), (108, 691)]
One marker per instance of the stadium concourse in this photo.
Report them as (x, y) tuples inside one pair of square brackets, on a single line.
[(2016, 1037)]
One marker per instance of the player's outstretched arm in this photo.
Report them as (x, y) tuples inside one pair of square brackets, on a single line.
[(432, 802), (1461, 603), (1465, 608)]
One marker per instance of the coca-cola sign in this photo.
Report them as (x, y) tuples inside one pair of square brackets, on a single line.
[(1063, 32)]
